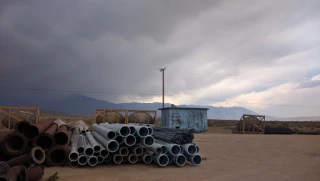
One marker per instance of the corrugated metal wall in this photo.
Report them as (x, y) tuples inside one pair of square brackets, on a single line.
[(185, 119)]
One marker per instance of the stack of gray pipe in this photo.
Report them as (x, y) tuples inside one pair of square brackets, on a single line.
[(119, 143)]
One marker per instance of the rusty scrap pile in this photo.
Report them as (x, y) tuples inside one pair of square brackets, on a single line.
[(26, 147), (131, 143)]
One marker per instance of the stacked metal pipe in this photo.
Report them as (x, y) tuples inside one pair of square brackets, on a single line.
[(33, 143), (130, 143), (172, 135)]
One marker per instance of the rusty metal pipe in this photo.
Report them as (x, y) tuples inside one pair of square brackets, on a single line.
[(18, 173), (45, 140), (4, 167), (57, 156), (69, 134), (14, 144), (21, 126), (36, 155), (35, 173), (36, 128), (61, 136), (4, 177)]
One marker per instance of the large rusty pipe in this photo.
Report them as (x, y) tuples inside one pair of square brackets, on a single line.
[(4, 177), (36, 128), (21, 126), (45, 140), (61, 136), (69, 134), (36, 155), (35, 173), (18, 173), (14, 144), (4, 167), (3, 134), (58, 155)]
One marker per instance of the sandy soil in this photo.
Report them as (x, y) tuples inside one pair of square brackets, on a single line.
[(227, 157)]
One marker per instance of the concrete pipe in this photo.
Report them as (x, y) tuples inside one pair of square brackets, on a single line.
[(36, 155), (57, 156), (147, 159), (34, 129), (147, 141), (73, 155), (189, 149), (4, 167), (123, 151), (141, 131), (119, 129), (100, 159), (132, 158), (80, 145), (88, 150), (61, 136), (173, 149), (180, 160), (105, 132), (129, 140), (18, 173), (194, 159), (108, 159), (156, 148), (170, 159), (35, 173), (137, 150), (14, 143), (162, 160), (117, 159), (45, 140), (74, 163), (94, 144), (110, 145), (82, 160), (119, 139), (92, 161)]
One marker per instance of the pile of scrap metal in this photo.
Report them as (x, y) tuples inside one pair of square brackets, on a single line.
[(131, 143), (26, 147)]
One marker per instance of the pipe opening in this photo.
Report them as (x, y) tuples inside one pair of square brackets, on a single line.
[(181, 160), (74, 163), (14, 143), (73, 156), (58, 157), (111, 135), (44, 142), (124, 131), (108, 159), (61, 138), (83, 160), (181, 149), (96, 148), (163, 160), (197, 159), (164, 149), (192, 149), (175, 149), (104, 153), (38, 154), (100, 159), (31, 131), (150, 130), (147, 159), (93, 161), (124, 151), (88, 152), (148, 141), (113, 146), (143, 131), (96, 154), (170, 158), (21, 126), (138, 151), (80, 150), (158, 150), (117, 159), (119, 139), (130, 140), (4, 178), (124, 159), (133, 158), (132, 130)]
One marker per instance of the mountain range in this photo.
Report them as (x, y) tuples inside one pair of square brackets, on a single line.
[(81, 105)]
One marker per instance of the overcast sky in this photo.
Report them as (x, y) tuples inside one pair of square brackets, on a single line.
[(262, 55)]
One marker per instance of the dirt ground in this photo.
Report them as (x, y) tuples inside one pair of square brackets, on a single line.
[(226, 157)]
